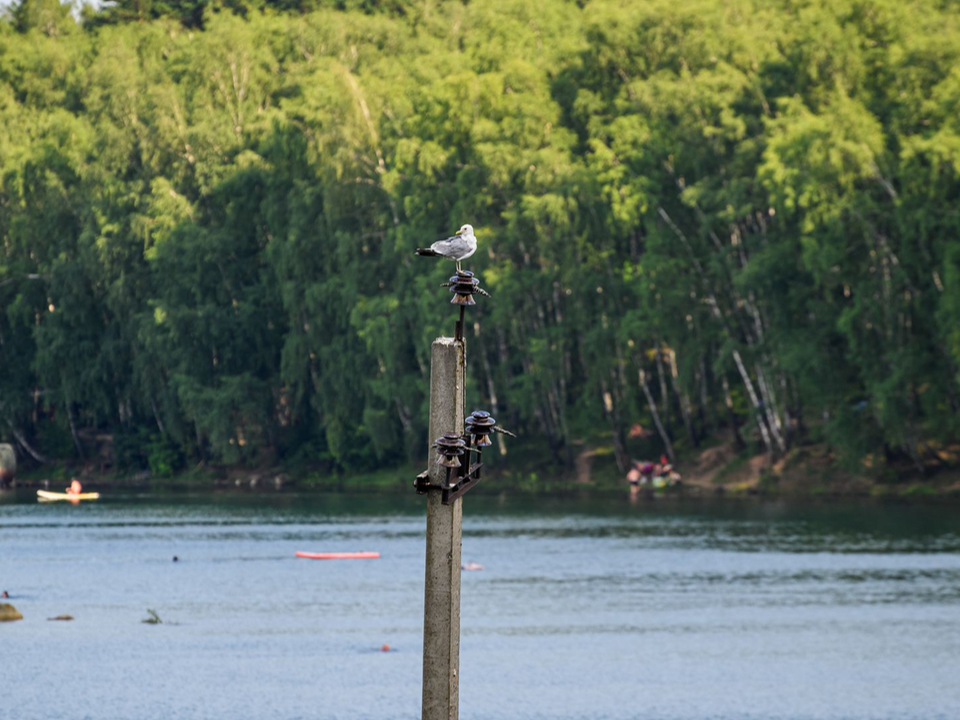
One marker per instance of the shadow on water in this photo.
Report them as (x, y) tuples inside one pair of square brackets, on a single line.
[(742, 524)]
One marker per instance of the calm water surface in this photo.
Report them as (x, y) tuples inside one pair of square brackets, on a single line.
[(588, 608)]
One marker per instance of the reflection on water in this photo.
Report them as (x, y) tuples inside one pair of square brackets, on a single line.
[(588, 608)]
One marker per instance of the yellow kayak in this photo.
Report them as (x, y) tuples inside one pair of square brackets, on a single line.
[(47, 495)]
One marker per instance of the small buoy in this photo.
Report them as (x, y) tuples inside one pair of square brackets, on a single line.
[(176, 559), (384, 648)]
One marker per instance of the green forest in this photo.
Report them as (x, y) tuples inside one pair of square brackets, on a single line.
[(710, 218)]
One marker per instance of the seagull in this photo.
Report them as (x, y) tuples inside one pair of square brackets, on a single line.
[(461, 245)]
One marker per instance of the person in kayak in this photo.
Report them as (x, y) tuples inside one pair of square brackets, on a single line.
[(75, 487)]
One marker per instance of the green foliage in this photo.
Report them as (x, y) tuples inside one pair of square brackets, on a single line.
[(163, 456), (208, 210), (49, 17)]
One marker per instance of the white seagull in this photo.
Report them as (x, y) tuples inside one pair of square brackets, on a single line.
[(461, 245)]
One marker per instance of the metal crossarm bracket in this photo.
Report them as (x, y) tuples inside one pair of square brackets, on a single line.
[(466, 482), (454, 487), (461, 476)]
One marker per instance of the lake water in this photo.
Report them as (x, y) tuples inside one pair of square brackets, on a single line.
[(587, 608)]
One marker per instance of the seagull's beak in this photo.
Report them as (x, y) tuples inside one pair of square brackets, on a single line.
[(458, 232)]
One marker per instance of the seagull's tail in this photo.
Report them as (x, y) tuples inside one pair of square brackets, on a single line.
[(428, 252)]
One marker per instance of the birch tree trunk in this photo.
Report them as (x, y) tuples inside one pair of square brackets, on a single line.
[(661, 430)]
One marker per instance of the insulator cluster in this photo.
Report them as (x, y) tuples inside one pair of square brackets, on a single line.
[(463, 285), (450, 448), (479, 424)]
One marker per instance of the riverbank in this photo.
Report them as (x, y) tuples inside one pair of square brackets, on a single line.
[(809, 471)]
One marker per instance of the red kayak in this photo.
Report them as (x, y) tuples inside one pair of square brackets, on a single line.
[(339, 555)]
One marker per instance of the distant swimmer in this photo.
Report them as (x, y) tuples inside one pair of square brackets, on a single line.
[(5, 595), (472, 566)]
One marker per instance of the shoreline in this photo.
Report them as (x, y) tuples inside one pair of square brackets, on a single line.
[(717, 470), (731, 480)]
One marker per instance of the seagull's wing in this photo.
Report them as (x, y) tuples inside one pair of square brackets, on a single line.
[(453, 247)]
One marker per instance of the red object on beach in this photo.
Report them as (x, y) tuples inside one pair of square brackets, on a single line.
[(339, 555)]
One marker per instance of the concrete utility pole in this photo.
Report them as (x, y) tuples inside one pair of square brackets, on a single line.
[(441, 612)]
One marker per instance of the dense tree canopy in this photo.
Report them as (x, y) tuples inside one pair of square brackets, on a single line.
[(691, 215)]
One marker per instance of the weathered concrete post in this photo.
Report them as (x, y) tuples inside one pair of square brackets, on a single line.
[(441, 611)]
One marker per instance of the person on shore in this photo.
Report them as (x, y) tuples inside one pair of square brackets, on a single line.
[(666, 475), (647, 471), (665, 466), (642, 472)]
